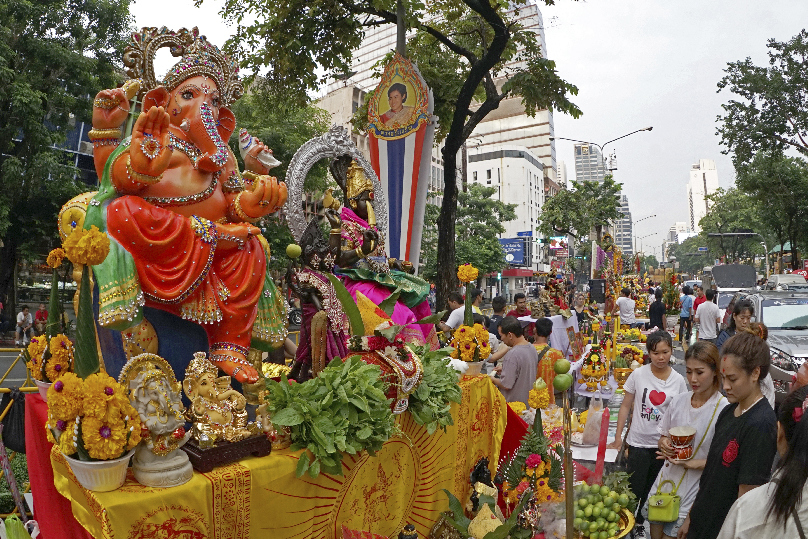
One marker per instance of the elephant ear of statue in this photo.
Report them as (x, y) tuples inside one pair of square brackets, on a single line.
[(227, 123), (157, 97)]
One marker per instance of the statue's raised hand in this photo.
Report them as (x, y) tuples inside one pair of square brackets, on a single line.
[(110, 109), (267, 196), (251, 162), (149, 152)]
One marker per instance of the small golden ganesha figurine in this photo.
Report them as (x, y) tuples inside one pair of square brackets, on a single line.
[(217, 410)]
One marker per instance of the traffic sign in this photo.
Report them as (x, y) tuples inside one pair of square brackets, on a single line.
[(703, 249)]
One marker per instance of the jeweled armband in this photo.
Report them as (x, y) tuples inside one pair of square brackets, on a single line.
[(95, 134), (205, 229), (240, 212)]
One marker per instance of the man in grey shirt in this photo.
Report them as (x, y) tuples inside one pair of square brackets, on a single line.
[(518, 368)]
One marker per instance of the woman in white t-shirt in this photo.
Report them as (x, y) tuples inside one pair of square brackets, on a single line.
[(699, 409), (649, 391)]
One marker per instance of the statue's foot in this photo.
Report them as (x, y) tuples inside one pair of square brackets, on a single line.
[(234, 364)]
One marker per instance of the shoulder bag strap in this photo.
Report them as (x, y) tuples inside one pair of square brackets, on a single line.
[(799, 524), (544, 351), (703, 436)]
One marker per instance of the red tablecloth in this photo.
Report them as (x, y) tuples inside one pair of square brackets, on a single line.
[(51, 509)]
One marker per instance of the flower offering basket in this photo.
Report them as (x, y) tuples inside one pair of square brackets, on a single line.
[(101, 475)]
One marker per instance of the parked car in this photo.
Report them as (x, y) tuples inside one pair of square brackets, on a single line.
[(786, 316), (783, 281), (692, 283)]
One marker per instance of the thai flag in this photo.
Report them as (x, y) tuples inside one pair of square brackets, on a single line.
[(404, 167)]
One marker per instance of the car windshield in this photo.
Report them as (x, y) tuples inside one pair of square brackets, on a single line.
[(723, 300), (785, 313)]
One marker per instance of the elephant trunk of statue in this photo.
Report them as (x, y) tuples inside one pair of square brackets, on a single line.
[(210, 135)]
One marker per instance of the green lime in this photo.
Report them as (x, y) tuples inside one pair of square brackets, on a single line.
[(604, 491), (583, 502), (616, 507), (597, 498), (579, 513), (293, 250), (562, 382), (593, 527), (577, 523), (613, 494), (562, 366), (623, 500), (603, 535), (611, 516), (588, 511), (608, 501), (594, 489), (597, 511)]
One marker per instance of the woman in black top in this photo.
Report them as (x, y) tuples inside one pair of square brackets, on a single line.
[(745, 440), (656, 312), (741, 317)]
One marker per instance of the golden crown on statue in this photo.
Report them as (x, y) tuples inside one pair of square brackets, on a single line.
[(199, 57)]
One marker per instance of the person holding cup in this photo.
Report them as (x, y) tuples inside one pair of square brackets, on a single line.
[(697, 410)]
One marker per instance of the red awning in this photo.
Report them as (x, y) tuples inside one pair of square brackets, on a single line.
[(517, 272)]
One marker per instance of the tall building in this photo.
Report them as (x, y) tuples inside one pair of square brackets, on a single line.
[(623, 228), (589, 163), (518, 176), (561, 175), (703, 182), (677, 233)]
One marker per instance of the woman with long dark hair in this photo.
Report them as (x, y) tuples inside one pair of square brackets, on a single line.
[(785, 497), (741, 318), (745, 439)]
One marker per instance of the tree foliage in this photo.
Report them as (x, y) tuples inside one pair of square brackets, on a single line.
[(54, 57), (771, 111), (460, 46), (589, 205), (479, 224)]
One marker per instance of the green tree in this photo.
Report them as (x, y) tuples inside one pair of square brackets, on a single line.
[(733, 210), (589, 205), (284, 124), (779, 187), (479, 224), (648, 261), (54, 57), (462, 47), (687, 254), (771, 110)]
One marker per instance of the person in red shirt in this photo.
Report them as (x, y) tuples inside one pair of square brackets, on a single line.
[(41, 319), (523, 310), (700, 297)]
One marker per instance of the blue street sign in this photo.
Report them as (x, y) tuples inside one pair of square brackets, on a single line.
[(514, 250), (525, 233), (703, 249)]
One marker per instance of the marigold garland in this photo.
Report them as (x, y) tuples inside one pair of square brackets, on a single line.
[(467, 273), (65, 397), (103, 439), (87, 247), (55, 257), (103, 396), (468, 339), (538, 398), (518, 407)]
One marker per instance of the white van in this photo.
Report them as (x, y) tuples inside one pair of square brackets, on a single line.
[(782, 281)]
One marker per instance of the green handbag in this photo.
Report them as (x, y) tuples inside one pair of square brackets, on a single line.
[(664, 506)]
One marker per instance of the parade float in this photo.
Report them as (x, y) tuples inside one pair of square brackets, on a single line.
[(371, 432)]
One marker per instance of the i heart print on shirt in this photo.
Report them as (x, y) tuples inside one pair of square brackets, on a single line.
[(657, 397)]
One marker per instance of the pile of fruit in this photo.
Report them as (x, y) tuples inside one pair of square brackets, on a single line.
[(595, 370), (598, 509), (629, 353), (631, 335)]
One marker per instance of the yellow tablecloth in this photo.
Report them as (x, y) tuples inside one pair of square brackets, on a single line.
[(261, 498)]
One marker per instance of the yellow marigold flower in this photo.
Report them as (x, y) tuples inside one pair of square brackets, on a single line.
[(104, 440), (87, 247), (517, 406), (37, 347), (56, 367), (103, 396), (538, 399), (65, 397), (467, 273), (55, 257)]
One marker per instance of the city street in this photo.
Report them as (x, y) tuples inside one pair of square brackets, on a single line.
[(17, 376)]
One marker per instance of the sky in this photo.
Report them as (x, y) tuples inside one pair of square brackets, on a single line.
[(636, 63)]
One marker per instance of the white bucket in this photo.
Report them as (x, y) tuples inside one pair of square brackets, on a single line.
[(43, 389), (101, 475)]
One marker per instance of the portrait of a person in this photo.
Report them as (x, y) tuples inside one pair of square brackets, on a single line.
[(399, 113)]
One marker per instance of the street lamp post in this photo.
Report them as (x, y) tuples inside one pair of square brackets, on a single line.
[(637, 221), (641, 238), (602, 146), (745, 235)]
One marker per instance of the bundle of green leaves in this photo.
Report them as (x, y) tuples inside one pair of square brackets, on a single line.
[(430, 404), (343, 410)]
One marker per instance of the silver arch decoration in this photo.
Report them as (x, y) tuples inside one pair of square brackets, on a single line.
[(337, 141)]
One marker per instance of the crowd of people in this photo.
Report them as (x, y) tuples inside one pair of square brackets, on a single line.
[(749, 467)]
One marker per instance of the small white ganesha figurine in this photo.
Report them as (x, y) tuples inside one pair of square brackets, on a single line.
[(156, 395)]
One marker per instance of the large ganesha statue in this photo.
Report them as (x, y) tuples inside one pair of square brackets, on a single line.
[(179, 213)]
